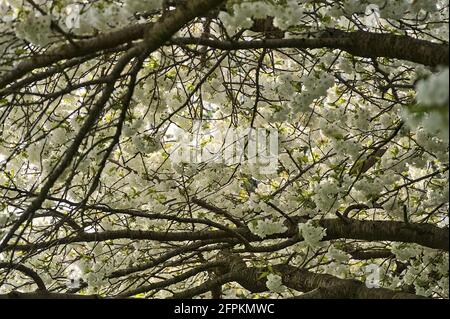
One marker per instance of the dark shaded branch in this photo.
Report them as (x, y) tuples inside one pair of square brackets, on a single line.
[(26, 271), (314, 285), (423, 234), (333, 287), (159, 260), (360, 43), (165, 283), (330, 287), (361, 254), (154, 35)]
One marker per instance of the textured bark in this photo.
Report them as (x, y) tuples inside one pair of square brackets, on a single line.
[(321, 285), (332, 287), (367, 44), (360, 43), (251, 278), (370, 254), (423, 234)]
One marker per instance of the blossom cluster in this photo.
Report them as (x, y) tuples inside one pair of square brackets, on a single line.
[(312, 235), (434, 91), (264, 228), (432, 109), (243, 13), (274, 283)]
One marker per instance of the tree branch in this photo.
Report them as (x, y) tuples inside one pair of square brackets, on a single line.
[(423, 234), (359, 43), (26, 271)]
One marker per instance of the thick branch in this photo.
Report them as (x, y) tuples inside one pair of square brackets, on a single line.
[(26, 271), (302, 281), (322, 285), (168, 282), (68, 51), (422, 234), (333, 287), (360, 43), (155, 35)]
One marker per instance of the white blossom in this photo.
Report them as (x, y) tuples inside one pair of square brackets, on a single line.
[(311, 234), (264, 228), (274, 283)]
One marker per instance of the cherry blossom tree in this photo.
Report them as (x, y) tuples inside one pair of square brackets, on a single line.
[(129, 165)]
